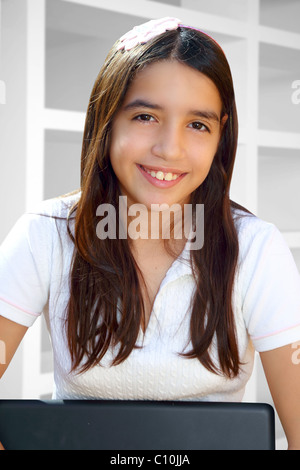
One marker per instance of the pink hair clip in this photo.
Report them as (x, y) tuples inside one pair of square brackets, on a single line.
[(144, 32)]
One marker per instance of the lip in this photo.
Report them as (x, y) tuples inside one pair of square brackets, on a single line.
[(161, 183), (164, 169)]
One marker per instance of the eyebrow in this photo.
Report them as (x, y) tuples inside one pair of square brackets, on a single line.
[(140, 103)]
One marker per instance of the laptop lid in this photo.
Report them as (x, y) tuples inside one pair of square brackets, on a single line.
[(135, 425)]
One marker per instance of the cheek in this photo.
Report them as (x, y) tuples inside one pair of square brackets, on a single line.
[(202, 163), (119, 149), (127, 148), (117, 144), (203, 156)]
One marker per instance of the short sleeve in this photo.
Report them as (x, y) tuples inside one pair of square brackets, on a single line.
[(25, 264), (270, 289)]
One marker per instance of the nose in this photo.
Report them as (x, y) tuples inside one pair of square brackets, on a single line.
[(169, 143)]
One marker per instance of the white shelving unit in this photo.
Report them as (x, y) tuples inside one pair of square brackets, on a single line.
[(51, 54), (2, 83)]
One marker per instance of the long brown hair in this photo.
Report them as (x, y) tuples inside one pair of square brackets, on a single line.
[(106, 304)]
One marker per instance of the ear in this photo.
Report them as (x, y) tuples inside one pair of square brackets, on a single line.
[(222, 124), (223, 121)]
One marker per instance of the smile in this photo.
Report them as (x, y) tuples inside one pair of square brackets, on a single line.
[(161, 175), (161, 178)]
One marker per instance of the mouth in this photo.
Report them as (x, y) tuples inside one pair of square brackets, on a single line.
[(161, 178), (162, 174)]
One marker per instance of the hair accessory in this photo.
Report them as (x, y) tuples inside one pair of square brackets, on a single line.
[(144, 32)]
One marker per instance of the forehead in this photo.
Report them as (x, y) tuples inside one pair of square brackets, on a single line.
[(174, 84)]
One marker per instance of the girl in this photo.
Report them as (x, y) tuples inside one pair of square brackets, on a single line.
[(136, 316)]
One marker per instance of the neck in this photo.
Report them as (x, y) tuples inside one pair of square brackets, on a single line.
[(160, 222)]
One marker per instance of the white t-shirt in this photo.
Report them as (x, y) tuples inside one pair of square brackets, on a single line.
[(34, 279)]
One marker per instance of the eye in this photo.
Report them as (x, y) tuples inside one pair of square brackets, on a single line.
[(144, 117), (199, 126)]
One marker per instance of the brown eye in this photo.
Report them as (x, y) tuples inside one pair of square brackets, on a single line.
[(198, 126), (144, 117)]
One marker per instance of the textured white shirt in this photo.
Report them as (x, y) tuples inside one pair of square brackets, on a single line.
[(34, 279)]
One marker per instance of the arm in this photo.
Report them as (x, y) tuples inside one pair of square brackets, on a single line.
[(11, 334), (283, 377)]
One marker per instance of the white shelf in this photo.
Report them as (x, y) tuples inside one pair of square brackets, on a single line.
[(2, 92), (63, 120), (278, 69), (283, 15), (279, 188), (152, 9), (63, 151), (2, 83), (233, 9), (292, 239), (275, 139), (277, 37)]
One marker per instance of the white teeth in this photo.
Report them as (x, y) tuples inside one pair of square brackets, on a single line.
[(162, 176), (159, 175)]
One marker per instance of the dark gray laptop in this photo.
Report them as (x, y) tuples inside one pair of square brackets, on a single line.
[(135, 425)]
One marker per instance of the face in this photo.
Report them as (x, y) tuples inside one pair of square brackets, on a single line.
[(166, 134)]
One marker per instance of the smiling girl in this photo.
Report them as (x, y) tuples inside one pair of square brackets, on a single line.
[(144, 317)]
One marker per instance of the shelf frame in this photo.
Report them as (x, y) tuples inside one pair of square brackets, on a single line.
[(34, 384), (56, 119), (275, 139), (278, 37), (150, 10)]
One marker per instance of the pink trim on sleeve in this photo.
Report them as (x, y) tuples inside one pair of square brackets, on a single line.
[(256, 338), (19, 308)]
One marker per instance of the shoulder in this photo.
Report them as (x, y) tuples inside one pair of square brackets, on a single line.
[(43, 223), (268, 283), (246, 222), (56, 208), (264, 255), (255, 234)]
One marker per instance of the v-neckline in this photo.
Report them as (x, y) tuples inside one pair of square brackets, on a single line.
[(171, 274)]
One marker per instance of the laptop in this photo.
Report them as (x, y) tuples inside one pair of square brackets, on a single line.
[(135, 425)]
